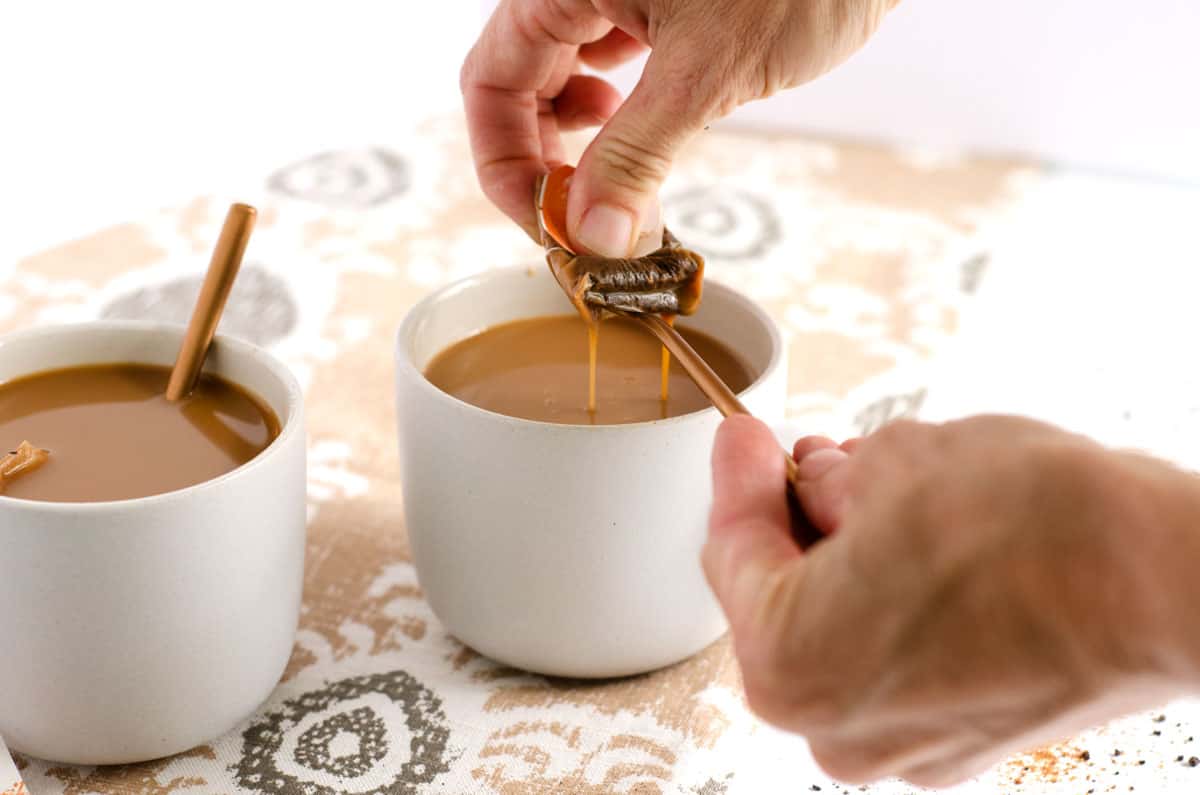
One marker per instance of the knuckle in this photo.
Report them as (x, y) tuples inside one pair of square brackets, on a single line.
[(632, 165), (551, 20), (898, 432), (700, 90), (532, 23)]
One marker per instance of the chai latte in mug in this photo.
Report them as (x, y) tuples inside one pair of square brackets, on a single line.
[(112, 434), (537, 369)]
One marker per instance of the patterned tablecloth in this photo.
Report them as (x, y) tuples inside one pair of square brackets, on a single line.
[(864, 256)]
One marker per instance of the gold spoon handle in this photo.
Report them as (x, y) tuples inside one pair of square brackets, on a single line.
[(222, 270), (716, 390), (803, 531)]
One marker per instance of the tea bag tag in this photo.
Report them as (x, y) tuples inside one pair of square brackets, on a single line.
[(25, 459)]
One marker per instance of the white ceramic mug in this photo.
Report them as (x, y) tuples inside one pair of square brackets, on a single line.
[(570, 550), (140, 628)]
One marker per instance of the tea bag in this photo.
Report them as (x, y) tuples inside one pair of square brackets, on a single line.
[(666, 281), (25, 459)]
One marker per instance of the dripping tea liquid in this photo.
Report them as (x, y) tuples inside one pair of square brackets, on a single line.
[(538, 369), (112, 434)]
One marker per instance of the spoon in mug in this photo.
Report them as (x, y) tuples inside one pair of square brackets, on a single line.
[(222, 270), (715, 389)]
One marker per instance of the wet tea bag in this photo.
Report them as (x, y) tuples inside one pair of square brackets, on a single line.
[(667, 281), (25, 459)]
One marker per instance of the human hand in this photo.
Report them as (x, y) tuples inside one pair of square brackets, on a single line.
[(522, 87), (985, 586)]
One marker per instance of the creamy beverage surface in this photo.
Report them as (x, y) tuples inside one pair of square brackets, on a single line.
[(112, 435), (537, 369)]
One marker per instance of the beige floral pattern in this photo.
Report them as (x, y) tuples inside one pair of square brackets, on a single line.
[(862, 255)]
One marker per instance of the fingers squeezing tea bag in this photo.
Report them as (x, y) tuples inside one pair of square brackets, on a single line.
[(666, 281)]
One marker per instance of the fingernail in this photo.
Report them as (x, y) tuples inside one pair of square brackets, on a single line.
[(652, 217), (650, 234), (607, 231), (818, 462)]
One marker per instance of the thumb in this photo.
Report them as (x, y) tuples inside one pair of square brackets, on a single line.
[(823, 487), (749, 536), (612, 207)]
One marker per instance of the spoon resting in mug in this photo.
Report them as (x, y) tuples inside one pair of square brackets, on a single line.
[(651, 290), (218, 282)]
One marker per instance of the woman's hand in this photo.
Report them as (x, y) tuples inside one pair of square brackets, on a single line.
[(522, 86), (986, 586)]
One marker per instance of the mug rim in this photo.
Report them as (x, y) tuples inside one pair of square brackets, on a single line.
[(259, 356), (406, 367)]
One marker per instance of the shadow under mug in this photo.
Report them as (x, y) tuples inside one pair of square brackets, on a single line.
[(140, 628), (570, 550)]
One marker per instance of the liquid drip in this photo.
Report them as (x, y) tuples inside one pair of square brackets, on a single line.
[(665, 391), (593, 332)]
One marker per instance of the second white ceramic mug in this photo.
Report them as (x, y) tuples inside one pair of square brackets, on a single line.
[(140, 628), (570, 550)]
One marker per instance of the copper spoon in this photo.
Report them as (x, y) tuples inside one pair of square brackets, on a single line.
[(726, 402), (222, 270), (716, 390)]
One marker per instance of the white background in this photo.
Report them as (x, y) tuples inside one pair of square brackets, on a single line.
[(108, 109), (1099, 84), (112, 109)]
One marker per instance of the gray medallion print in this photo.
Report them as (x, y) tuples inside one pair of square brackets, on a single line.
[(353, 742), (884, 410), (314, 752), (972, 271), (261, 308), (724, 224), (353, 179), (714, 787)]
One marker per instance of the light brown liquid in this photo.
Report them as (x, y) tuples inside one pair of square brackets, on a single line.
[(112, 435), (537, 369)]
